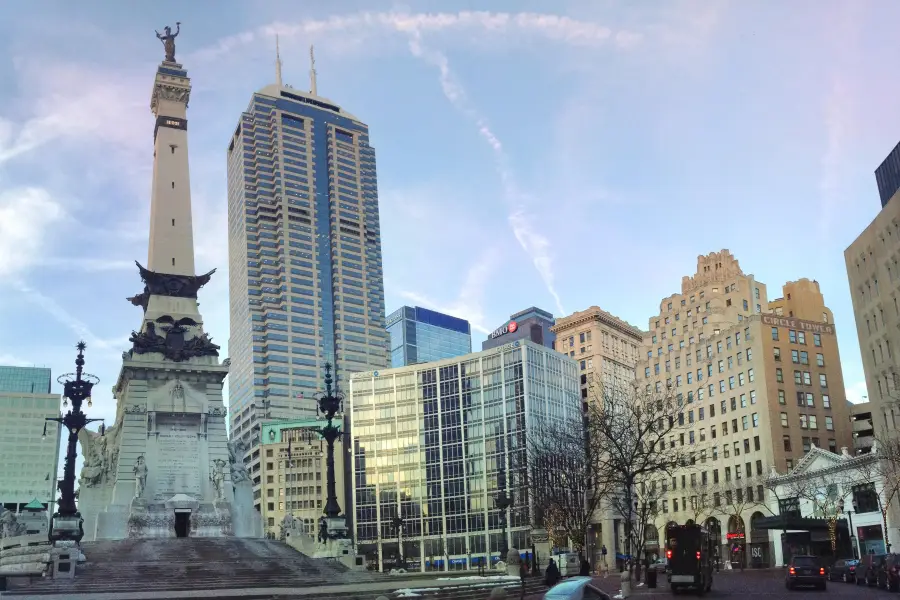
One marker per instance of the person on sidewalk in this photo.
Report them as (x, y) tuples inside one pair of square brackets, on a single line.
[(551, 576)]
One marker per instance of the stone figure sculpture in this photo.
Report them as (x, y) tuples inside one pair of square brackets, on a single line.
[(168, 41), (101, 454), (218, 478), (239, 472), (9, 525), (140, 476)]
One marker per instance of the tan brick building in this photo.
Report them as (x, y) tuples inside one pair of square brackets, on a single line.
[(874, 275), (760, 381), (606, 349)]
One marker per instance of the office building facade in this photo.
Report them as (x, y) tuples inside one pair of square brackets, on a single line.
[(606, 349), (306, 284), (28, 470), (435, 444), (294, 474), (531, 324), (419, 335), (761, 384)]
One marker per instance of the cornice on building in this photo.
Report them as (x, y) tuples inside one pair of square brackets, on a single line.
[(595, 313)]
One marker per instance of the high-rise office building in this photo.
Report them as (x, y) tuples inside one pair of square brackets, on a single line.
[(306, 283), (606, 349), (419, 335), (887, 176), (531, 324), (30, 461), (761, 384), (436, 443)]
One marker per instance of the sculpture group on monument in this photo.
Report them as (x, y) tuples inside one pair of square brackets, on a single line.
[(166, 468)]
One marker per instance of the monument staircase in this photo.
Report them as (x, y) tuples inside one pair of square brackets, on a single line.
[(181, 567)]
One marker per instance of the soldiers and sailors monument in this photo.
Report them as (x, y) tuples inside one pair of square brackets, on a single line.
[(165, 468)]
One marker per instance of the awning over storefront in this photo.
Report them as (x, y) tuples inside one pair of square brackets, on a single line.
[(795, 523)]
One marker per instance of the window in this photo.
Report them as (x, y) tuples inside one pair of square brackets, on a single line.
[(801, 399), (779, 376), (792, 336), (743, 400), (813, 422), (721, 366), (806, 445), (801, 338), (781, 397), (826, 401), (810, 399), (786, 440), (829, 423), (784, 420), (775, 333), (823, 381), (820, 360), (755, 419), (804, 357), (798, 378), (817, 340), (741, 378), (744, 423), (749, 353), (750, 375), (777, 353), (795, 356)]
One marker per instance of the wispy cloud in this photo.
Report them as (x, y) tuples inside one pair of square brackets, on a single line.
[(562, 29), (55, 310), (25, 216), (535, 245), (468, 305)]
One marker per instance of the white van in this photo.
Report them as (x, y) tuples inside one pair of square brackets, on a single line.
[(568, 563)]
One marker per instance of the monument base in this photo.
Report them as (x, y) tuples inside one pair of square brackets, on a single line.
[(180, 516)]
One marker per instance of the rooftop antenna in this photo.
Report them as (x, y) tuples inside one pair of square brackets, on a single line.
[(278, 63), (312, 71)]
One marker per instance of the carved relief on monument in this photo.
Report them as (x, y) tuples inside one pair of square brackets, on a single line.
[(176, 396), (217, 477), (184, 339), (101, 455), (239, 473)]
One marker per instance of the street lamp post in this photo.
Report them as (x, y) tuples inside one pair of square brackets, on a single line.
[(503, 502), (66, 523), (398, 525), (330, 402)]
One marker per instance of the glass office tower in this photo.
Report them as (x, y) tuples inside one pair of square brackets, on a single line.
[(437, 442), (304, 245), (28, 470), (419, 335)]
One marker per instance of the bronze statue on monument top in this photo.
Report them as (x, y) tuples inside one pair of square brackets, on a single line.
[(168, 40)]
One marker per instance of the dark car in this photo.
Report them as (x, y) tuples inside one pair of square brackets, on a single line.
[(889, 573), (867, 569), (805, 571), (843, 569)]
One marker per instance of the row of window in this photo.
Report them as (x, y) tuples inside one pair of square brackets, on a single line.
[(809, 422), (798, 337)]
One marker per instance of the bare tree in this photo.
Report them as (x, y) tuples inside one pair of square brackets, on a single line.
[(563, 480), (734, 498), (647, 504), (634, 434)]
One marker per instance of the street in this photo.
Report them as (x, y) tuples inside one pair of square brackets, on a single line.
[(763, 582)]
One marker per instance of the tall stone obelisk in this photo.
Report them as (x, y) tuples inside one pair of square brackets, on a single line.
[(165, 468)]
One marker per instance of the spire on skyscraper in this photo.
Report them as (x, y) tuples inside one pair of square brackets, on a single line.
[(312, 71), (278, 63)]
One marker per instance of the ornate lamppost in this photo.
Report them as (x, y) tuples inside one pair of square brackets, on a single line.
[(330, 402), (66, 523), (503, 502), (397, 522)]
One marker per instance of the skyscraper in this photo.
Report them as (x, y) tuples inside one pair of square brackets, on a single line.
[(304, 240), (419, 335)]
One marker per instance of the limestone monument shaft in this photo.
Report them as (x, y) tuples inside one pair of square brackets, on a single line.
[(160, 471)]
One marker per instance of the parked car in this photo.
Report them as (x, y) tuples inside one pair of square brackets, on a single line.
[(805, 571), (867, 569), (889, 573), (843, 569), (660, 565)]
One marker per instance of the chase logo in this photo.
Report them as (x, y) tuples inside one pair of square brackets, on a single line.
[(375, 373), (516, 344)]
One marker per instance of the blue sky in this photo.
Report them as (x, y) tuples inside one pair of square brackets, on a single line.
[(558, 154)]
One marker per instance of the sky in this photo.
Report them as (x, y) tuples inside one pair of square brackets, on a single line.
[(558, 154)]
